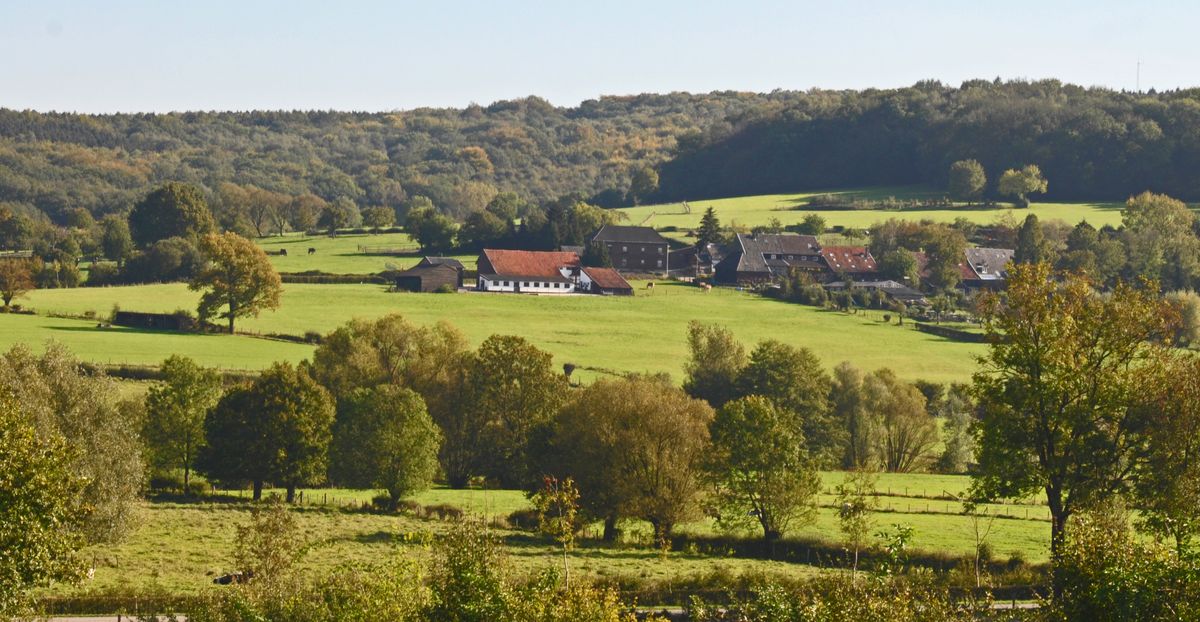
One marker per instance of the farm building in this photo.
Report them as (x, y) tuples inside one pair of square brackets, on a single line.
[(761, 258), (428, 278), (695, 261), (634, 249), (853, 261), (985, 268), (604, 281), (538, 272)]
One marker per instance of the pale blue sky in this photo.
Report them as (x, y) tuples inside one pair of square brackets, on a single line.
[(94, 56)]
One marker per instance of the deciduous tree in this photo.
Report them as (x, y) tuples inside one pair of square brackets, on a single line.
[(238, 277), (1021, 183), (384, 438), (714, 362), (1162, 242), (175, 411), (967, 180), (905, 431), (16, 279), (1168, 477), (761, 468), (794, 380), (41, 509), (171, 210), (1056, 392)]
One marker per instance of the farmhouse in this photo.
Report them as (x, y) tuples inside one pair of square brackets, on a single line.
[(538, 272), (604, 281), (855, 262), (985, 268), (430, 274), (634, 249), (763, 257), (695, 261)]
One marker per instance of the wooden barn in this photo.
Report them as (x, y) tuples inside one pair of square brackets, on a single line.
[(604, 281), (430, 274)]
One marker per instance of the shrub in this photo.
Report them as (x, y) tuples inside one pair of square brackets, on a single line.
[(162, 482), (526, 519), (445, 289), (444, 511)]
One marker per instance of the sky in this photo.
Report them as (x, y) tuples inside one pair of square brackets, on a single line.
[(170, 55)]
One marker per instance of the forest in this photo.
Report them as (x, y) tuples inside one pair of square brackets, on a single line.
[(1092, 143)]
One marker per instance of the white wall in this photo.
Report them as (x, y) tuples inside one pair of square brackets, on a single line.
[(486, 284)]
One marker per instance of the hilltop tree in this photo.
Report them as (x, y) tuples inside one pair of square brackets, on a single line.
[(1055, 393), (278, 428), (1021, 183), (512, 389), (710, 228), (967, 180), (794, 380), (41, 510), (175, 411), (384, 438), (16, 279), (171, 210), (714, 362), (643, 184), (238, 277), (761, 469)]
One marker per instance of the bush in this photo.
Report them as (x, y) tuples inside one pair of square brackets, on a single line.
[(162, 482), (445, 289), (526, 519), (199, 489), (443, 511)]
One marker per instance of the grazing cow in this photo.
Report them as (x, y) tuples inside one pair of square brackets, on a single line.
[(283, 252), (650, 285), (312, 251), (705, 287)]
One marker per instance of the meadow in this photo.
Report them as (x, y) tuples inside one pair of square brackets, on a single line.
[(180, 546), (642, 333), (752, 211), (344, 253)]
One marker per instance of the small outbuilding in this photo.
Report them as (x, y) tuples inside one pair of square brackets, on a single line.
[(605, 281), (431, 274)]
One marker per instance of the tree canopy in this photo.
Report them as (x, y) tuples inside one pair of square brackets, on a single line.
[(238, 277)]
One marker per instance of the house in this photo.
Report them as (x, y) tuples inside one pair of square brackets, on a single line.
[(761, 258), (893, 289), (604, 281), (855, 262), (985, 268), (634, 249), (429, 277), (538, 272)]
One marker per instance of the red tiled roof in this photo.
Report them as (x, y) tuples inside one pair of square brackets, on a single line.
[(607, 278), (849, 258), (530, 263)]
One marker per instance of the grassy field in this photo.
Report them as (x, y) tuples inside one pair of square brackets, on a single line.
[(130, 345), (645, 332), (788, 208), (180, 546), (343, 254)]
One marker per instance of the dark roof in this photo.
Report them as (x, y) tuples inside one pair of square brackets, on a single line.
[(988, 264), (422, 269), (632, 235), (760, 253), (849, 259), (607, 278), (441, 261), (543, 265)]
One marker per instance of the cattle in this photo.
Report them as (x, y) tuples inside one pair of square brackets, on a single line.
[(312, 251), (650, 285), (234, 578), (283, 252)]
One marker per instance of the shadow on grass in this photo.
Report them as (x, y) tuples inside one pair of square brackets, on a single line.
[(128, 330)]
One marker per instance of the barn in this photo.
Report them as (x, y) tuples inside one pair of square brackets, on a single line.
[(604, 281)]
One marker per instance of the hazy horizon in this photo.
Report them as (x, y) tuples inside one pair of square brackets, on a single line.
[(139, 56)]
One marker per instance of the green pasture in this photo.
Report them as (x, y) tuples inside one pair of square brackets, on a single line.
[(752, 211), (642, 333), (181, 546), (130, 345), (346, 253)]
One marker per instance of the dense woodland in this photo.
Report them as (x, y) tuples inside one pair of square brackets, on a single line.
[(1092, 143)]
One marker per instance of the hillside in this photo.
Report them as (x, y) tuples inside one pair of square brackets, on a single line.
[(1092, 144)]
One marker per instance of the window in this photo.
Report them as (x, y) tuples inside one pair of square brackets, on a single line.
[(642, 261), (658, 263), (624, 249), (660, 250)]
